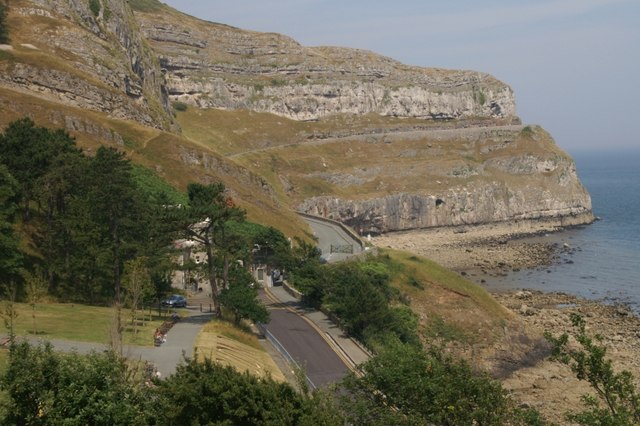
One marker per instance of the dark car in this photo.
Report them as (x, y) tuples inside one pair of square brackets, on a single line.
[(175, 301)]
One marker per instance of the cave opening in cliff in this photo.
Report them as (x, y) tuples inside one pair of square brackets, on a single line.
[(439, 202)]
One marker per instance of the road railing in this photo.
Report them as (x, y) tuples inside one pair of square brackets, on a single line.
[(350, 232), (276, 344)]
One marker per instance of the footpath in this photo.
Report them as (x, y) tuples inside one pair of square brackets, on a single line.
[(348, 349), (181, 339)]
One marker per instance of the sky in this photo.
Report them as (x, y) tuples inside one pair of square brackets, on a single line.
[(574, 65)]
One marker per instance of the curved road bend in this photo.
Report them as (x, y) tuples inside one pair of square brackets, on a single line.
[(329, 234), (305, 345)]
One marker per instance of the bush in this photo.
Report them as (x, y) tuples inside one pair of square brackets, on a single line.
[(617, 401), (94, 5), (180, 106), (404, 384), (4, 30)]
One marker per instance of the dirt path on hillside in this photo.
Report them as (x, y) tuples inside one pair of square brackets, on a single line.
[(388, 135)]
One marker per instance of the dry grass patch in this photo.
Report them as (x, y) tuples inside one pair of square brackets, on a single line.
[(447, 304), (222, 342)]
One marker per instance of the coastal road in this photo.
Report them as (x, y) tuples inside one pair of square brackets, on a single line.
[(304, 343), (328, 235)]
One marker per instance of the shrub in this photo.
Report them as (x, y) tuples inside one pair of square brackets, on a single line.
[(94, 5), (180, 106), (617, 401), (404, 384), (4, 30)]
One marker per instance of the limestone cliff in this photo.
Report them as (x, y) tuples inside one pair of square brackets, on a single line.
[(217, 66), (93, 59), (519, 175), (339, 132)]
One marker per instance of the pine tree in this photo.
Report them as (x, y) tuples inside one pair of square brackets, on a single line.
[(4, 30)]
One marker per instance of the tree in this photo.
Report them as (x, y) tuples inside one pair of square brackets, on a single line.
[(241, 297), (137, 286), (28, 152), (616, 391), (36, 287), (203, 221), (203, 393), (43, 388), (403, 384), (9, 312), (10, 256), (4, 29)]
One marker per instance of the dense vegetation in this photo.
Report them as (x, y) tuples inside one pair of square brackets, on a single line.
[(80, 218), (46, 388), (410, 380), (96, 229), (4, 29)]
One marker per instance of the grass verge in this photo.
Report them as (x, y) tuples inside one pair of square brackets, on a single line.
[(83, 323)]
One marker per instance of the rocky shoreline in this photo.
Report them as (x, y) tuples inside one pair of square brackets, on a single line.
[(492, 249), (496, 250), (550, 386)]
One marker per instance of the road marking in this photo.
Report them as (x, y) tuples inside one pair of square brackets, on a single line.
[(331, 342)]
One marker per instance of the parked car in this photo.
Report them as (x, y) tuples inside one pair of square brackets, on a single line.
[(175, 301)]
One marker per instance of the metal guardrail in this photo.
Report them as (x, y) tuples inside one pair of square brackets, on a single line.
[(344, 248), (276, 344), (350, 232)]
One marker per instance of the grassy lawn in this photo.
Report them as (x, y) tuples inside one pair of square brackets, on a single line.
[(83, 323)]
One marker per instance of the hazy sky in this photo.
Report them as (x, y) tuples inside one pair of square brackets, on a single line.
[(574, 64)]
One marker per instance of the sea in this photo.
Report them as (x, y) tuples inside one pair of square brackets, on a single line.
[(602, 260)]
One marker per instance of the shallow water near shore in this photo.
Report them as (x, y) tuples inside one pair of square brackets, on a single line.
[(602, 260)]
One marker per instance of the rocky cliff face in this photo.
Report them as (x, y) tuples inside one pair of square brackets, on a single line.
[(92, 59), (216, 66), (520, 176), (374, 143)]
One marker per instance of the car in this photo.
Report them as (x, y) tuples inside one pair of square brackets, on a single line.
[(175, 301)]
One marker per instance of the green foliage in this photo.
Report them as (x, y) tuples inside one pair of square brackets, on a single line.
[(360, 295), (212, 210), (278, 82), (4, 29), (438, 329), (526, 131), (617, 401), (224, 396), (157, 188), (180, 106), (86, 216), (145, 5), (241, 297), (36, 287), (482, 99), (94, 6), (403, 384), (10, 258), (47, 388), (9, 311)]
